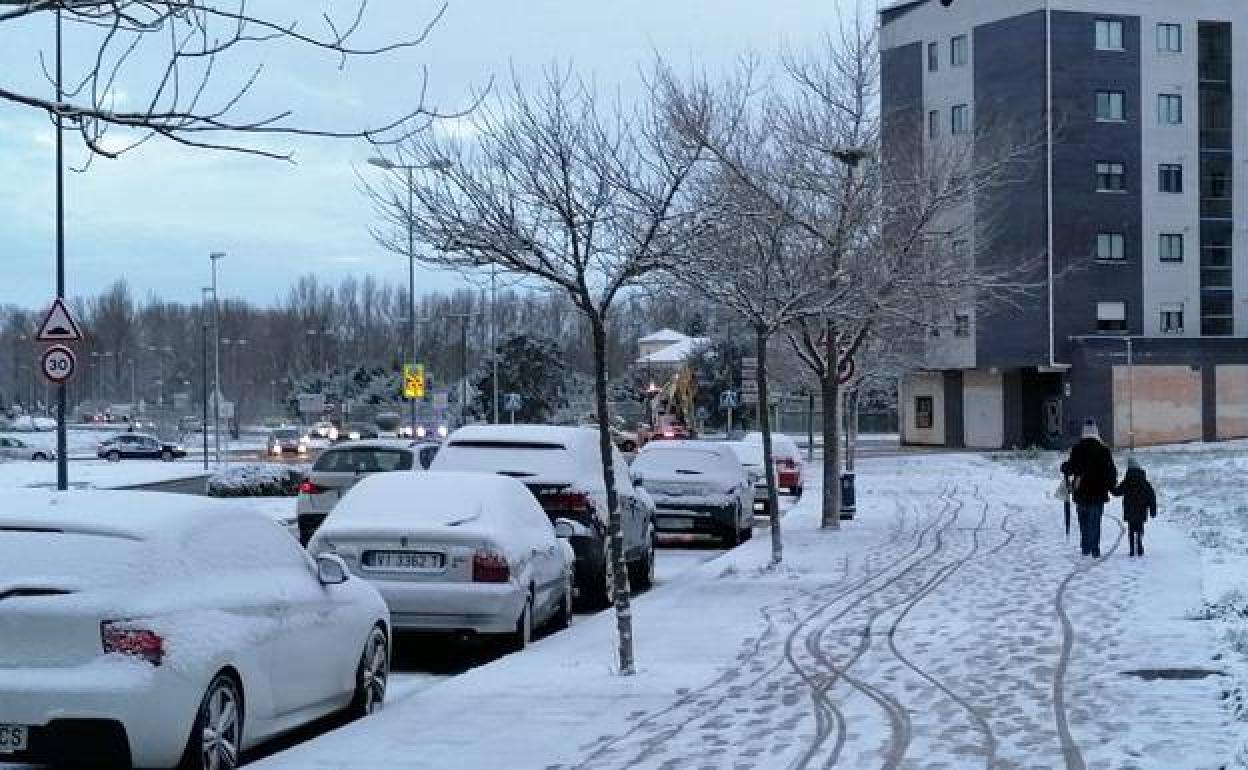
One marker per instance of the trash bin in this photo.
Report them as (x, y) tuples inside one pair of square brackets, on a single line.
[(848, 507)]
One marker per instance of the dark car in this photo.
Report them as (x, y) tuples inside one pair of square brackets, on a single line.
[(138, 446), (358, 431)]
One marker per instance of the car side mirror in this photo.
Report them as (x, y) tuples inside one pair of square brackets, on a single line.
[(331, 570), (568, 528)]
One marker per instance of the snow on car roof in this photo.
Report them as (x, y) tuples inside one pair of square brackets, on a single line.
[(571, 436), (126, 514), (550, 453)]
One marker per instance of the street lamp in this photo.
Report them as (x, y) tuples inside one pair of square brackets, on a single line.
[(438, 164), (203, 366), (213, 258)]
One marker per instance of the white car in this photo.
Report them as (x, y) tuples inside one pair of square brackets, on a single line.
[(16, 449), (751, 458), (562, 467), (698, 487), (161, 630), (455, 552), (787, 458)]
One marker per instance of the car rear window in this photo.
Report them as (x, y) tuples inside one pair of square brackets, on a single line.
[(522, 459), (678, 460), (364, 460), (36, 556)]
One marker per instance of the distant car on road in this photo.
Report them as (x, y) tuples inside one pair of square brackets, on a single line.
[(455, 553), (787, 457), (343, 466), (562, 467), (132, 446), (160, 630), (283, 441), (698, 487), (357, 431), (16, 449)]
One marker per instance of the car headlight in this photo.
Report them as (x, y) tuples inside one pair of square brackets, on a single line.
[(354, 435), (332, 433), (442, 431)]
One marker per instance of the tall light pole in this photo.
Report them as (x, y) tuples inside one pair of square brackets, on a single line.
[(389, 165), (62, 432), (203, 365), (215, 257)]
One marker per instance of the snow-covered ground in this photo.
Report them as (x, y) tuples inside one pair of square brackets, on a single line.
[(952, 625), (98, 474)]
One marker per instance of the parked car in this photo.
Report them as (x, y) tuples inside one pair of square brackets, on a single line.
[(284, 441), (325, 429), (751, 458), (130, 446), (463, 553), (787, 457), (343, 466), (167, 630), (698, 487), (562, 467), (16, 449), (357, 431)]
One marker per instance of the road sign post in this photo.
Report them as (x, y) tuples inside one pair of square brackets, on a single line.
[(512, 403), (58, 364), (60, 327)]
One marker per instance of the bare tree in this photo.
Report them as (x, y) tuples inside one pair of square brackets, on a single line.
[(581, 199), (190, 67)]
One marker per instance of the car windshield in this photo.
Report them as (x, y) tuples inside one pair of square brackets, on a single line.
[(363, 460), (286, 434), (683, 461)]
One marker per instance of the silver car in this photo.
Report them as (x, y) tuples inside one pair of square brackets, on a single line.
[(341, 467), (16, 449)]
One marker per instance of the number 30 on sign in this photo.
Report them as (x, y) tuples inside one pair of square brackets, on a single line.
[(58, 364)]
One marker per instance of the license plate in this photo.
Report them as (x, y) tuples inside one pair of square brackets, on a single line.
[(13, 738), (404, 560), (676, 523)]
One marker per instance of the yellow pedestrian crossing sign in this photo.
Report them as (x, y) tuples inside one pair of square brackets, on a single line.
[(413, 381)]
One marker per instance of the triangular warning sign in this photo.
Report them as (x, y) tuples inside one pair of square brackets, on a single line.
[(59, 325)]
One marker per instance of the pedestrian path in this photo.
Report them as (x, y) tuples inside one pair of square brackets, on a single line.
[(950, 626)]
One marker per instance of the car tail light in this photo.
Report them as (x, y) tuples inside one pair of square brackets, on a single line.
[(306, 487), (574, 502), (489, 566), (124, 639)]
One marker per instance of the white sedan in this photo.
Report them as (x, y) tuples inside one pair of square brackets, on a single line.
[(462, 553), (161, 630), (16, 449)]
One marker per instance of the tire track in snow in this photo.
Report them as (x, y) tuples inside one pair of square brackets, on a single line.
[(1070, 750)]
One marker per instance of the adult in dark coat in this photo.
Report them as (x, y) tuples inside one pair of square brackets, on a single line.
[(1139, 502), (1092, 476)]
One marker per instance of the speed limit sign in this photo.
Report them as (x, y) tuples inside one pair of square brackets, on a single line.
[(58, 363)]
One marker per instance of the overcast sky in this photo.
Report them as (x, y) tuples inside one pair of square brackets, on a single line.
[(153, 216)]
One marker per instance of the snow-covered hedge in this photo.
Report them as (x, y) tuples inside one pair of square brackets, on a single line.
[(256, 480)]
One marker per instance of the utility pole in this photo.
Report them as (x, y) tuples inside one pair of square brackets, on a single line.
[(463, 362), (203, 367), (216, 356), (494, 337), (62, 431)]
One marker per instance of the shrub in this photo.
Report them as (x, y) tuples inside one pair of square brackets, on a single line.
[(255, 480)]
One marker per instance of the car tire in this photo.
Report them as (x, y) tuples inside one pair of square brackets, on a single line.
[(628, 446), (220, 712), (517, 640), (641, 572), (113, 456), (562, 618), (371, 676), (747, 533), (601, 588), (798, 490), (39, 457), (166, 455)]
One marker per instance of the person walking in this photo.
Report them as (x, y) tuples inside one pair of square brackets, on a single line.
[(1139, 503), (1091, 476)]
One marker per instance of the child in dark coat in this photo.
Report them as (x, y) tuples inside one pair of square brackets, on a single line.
[(1139, 502)]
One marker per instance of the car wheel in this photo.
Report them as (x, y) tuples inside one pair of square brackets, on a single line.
[(798, 490), (39, 457), (628, 446), (641, 573), (517, 640), (166, 455), (604, 593), (114, 456), (747, 533), (216, 736), (372, 675), (563, 613)]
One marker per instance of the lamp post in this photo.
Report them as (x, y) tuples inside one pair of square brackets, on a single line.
[(215, 257), (494, 343), (463, 361), (62, 431), (203, 366)]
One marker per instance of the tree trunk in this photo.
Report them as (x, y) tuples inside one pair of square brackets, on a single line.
[(615, 529), (830, 391), (764, 425)]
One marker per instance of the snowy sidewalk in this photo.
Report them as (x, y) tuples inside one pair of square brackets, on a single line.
[(950, 626)]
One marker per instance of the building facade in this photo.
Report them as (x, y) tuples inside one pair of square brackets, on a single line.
[(1129, 216)]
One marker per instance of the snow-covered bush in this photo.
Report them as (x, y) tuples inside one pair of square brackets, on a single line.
[(256, 480)]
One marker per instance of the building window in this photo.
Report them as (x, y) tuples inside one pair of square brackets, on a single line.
[(958, 51), (1170, 178), (924, 409), (1111, 246), (1108, 35), (1111, 177), (1172, 318), (933, 57), (1111, 316), (1110, 106), (1171, 247), (1170, 109), (933, 124), (961, 325), (1170, 38), (960, 119)]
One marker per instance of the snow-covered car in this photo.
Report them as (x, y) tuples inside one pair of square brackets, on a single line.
[(787, 457), (165, 630), (562, 467), (343, 466), (16, 449), (698, 487), (751, 458), (283, 441), (461, 553), (130, 446)]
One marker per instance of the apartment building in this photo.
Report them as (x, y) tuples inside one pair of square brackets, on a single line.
[(1130, 216)]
